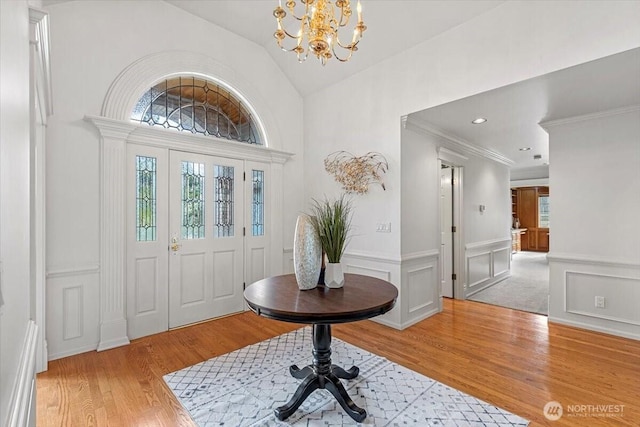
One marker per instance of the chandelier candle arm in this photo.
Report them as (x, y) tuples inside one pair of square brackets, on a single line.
[(319, 29)]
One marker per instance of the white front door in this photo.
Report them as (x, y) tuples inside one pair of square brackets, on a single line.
[(206, 215), (257, 240)]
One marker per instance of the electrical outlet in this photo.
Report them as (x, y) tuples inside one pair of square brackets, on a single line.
[(383, 227), (599, 302)]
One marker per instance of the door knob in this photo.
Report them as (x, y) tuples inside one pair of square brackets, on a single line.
[(175, 246)]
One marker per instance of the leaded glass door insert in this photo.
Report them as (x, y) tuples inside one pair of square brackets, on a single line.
[(206, 250), (147, 226), (257, 202), (193, 208), (146, 198), (196, 105), (223, 200)]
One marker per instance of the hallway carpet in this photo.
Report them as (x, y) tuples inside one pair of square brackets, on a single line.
[(527, 289)]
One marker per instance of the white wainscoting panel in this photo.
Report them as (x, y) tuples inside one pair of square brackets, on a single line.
[(73, 310), (581, 290), (419, 280), (487, 263), (420, 287), (478, 270), (502, 261), (381, 267), (367, 271), (576, 281)]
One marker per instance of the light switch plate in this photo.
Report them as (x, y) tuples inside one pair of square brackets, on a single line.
[(383, 227)]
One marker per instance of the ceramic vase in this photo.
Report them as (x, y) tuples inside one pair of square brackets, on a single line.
[(333, 275), (307, 254)]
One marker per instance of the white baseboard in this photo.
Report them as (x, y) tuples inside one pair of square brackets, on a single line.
[(420, 318), (404, 325), (490, 283), (387, 322), (595, 328), (22, 408), (72, 351), (113, 333)]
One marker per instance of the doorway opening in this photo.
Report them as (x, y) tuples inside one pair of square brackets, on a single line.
[(527, 288), (452, 272), (446, 231)]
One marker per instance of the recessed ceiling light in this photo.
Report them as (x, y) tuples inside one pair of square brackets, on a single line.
[(524, 148), (478, 121)]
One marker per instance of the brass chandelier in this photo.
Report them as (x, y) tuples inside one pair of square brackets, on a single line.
[(319, 26)]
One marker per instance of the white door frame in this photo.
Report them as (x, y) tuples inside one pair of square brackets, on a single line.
[(456, 160), (114, 137), (446, 232)]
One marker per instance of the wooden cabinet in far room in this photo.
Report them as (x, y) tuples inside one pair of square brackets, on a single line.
[(532, 210)]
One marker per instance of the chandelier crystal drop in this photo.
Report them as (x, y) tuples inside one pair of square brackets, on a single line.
[(318, 29)]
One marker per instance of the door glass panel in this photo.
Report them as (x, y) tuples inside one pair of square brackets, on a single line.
[(223, 197), (257, 203), (192, 200), (543, 212), (145, 199)]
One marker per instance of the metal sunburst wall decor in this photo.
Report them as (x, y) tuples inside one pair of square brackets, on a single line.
[(356, 173)]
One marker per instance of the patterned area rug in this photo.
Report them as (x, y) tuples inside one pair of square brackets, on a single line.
[(243, 387)]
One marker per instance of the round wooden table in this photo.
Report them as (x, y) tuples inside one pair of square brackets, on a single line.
[(361, 297)]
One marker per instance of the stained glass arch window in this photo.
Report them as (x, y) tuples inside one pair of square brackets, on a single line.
[(200, 106)]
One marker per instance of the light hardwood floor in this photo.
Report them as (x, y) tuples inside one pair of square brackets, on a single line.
[(512, 359)]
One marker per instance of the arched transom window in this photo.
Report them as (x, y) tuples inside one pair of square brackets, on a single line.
[(197, 105)]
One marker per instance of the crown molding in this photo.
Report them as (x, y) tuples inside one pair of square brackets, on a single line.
[(588, 117), (455, 143)]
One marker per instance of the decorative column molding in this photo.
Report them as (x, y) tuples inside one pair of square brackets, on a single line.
[(276, 215), (113, 148), (41, 107)]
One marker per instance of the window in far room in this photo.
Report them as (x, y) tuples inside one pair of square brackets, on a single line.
[(199, 106), (543, 211)]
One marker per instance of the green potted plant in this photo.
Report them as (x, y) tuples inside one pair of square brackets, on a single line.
[(331, 220)]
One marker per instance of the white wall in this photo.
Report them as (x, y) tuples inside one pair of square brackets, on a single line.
[(14, 196), (92, 43), (420, 200), (487, 234), (512, 42), (486, 183), (595, 206)]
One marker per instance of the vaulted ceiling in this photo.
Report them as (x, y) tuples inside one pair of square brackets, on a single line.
[(392, 27), (513, 112)]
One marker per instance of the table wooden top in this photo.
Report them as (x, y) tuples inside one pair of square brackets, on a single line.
[(360, 298)]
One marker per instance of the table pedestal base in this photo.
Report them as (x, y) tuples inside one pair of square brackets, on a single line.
[(322, 374)]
